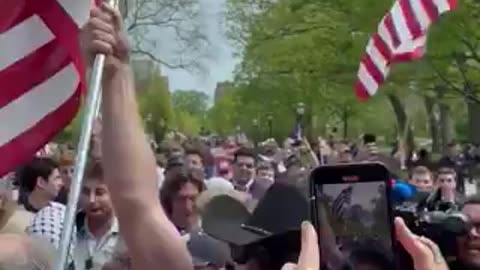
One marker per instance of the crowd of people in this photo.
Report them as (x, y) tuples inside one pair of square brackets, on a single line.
[(204, 203)]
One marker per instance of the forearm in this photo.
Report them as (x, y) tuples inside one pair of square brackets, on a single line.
[(130, 172), (128, 159)]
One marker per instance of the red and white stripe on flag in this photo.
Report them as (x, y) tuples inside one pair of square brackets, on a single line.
[(401, 37), (41, 74)]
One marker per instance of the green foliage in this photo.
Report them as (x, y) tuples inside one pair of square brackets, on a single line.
[(308, 51), (155, 105), (191, 101)]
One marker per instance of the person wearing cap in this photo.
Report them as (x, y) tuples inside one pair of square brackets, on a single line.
[(207, 253), (264, 239)]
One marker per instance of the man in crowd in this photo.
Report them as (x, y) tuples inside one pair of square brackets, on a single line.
[(244, 169), (41, 181), (446, 181), (98, 231), (468, 257), (265, 171), (422, 179), (178, 195), (456, 160), (67, 163), (193, 159)]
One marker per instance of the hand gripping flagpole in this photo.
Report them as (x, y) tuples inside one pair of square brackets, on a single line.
[(92, 109)]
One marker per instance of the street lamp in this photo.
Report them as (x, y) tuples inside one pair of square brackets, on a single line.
[(255, 129), (270, 125), (300, 109)]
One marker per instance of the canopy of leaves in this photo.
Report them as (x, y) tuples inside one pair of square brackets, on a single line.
[(308, 51), (191, 101)]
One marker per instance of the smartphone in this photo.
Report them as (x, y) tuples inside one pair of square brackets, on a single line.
[(351, 211)]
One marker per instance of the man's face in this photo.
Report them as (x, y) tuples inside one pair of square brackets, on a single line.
[(184, 214), (447, 181), (95, 199), (423, 182), (67, 174), (194, 161), (53, 184), (469, 246), (244, 169), (266, 174)]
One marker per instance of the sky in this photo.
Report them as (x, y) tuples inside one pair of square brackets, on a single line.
[(220, 64)]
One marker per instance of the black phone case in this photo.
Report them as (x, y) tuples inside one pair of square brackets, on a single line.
[(356, 173)]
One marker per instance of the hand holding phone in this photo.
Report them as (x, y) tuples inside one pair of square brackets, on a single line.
[(426, 254), (351, 206)]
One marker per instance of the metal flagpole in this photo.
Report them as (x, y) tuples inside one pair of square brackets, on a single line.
[(92, 108)]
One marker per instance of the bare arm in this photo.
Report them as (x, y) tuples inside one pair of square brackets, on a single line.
[(129, 165)]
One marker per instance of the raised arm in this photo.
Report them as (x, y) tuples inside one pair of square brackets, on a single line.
[(129, 165)]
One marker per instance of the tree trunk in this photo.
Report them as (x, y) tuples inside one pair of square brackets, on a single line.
[(346, 118), (473, 112), (432, 123), (402, 118), (446, 133)]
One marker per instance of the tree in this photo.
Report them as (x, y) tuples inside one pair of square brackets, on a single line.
[(191, 101), (296, 51), (148, 22), (155, 106)]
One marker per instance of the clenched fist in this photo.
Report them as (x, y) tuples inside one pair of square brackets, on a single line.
[(103, 34)]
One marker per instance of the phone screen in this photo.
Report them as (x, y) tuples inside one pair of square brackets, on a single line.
[(357, 215)]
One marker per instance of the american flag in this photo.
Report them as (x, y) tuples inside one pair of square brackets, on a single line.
[(401, 36), (342, 201), (41, 73)]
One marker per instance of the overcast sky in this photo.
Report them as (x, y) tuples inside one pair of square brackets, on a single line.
[(221, 63)]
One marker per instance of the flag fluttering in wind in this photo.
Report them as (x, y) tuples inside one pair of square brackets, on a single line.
[(41, 73), (342, 201), (401, 37)]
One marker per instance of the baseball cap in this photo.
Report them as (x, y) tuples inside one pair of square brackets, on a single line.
[(206, 251)]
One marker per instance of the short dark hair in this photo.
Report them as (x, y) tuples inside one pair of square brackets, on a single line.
[(446, 170), (94, 170), (175, 180), (244, 152), (38, 167), (264, 165), (194, 151), (420, 170), (369, 138)]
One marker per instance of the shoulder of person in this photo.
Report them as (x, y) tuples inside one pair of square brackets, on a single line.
[(17, 221)]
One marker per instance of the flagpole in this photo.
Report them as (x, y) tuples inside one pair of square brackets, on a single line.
[(92, 109)]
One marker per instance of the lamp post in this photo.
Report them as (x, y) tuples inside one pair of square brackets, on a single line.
[(300, 112), (270, 125), (300, 109), (255, 130)]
